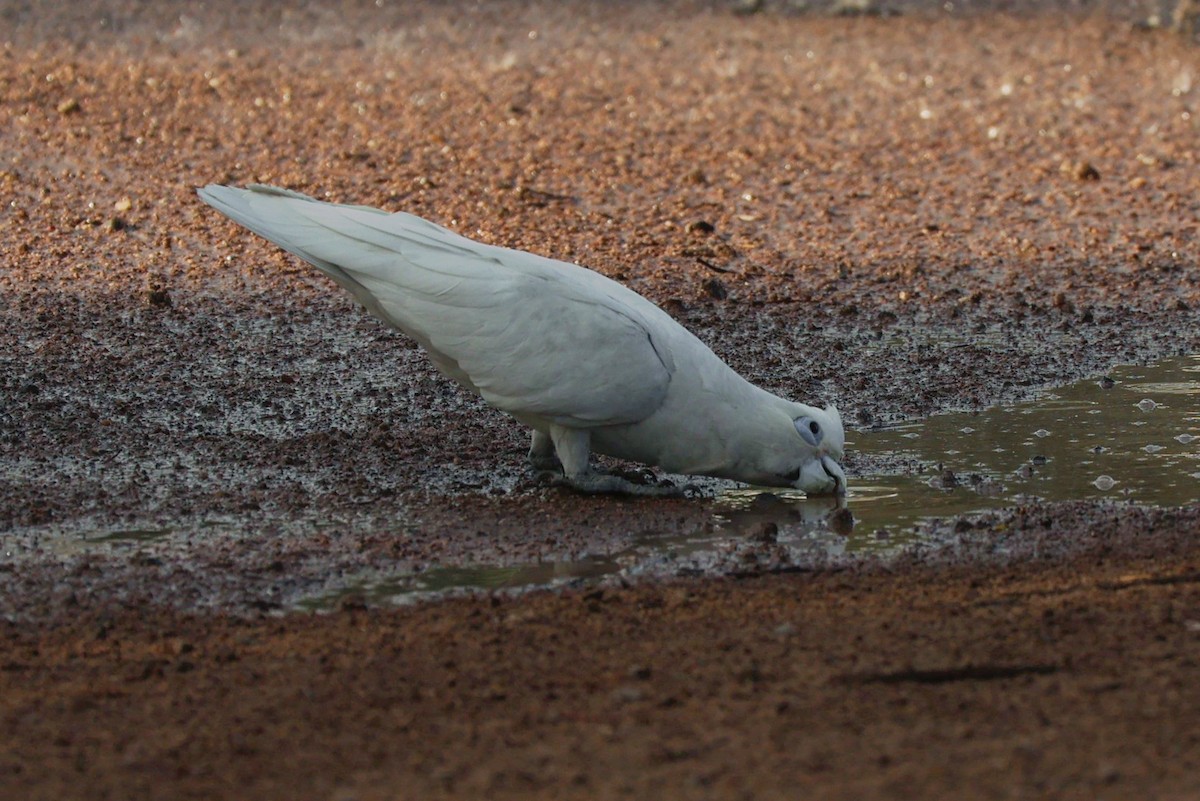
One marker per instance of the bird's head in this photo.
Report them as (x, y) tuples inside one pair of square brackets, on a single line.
[(819, 448)]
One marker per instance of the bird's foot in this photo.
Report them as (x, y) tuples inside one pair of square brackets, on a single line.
[(612, 484)]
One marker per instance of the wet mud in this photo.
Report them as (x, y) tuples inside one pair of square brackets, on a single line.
[(252, 543)]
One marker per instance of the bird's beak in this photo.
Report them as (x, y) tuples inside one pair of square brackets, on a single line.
[(835, 471), (822, 476)]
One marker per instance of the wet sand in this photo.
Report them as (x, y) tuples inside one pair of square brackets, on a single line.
[(899, 214)]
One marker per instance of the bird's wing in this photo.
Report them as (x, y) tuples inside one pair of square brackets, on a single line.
[(533, 336)]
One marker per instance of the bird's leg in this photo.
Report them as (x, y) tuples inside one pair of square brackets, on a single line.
[(574, 446), (541, 453)]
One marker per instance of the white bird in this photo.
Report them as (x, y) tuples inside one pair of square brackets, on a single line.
[(586, 363)]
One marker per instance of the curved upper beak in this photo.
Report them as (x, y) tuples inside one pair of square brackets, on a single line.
[(822, 476), (834, 471)]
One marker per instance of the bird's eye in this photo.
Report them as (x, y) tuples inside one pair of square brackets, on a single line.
[(809, 429)]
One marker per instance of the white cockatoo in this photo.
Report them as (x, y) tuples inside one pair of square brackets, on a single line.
[(586, 363)]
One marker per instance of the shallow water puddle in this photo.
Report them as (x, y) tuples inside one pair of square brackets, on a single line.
[(1134, 436)]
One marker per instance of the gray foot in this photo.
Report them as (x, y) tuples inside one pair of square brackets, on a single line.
[(607, 484)]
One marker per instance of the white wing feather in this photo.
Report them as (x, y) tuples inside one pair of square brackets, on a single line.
[(534, 336)]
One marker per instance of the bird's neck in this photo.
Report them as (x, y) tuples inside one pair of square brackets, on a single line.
[(745, 427)]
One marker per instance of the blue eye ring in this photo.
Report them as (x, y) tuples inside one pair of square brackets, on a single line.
[(809, 430)]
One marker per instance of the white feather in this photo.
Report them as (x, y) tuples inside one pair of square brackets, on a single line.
[(560, 347)]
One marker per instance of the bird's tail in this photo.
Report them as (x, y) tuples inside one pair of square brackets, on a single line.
[(278, 216)]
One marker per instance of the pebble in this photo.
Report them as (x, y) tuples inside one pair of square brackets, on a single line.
[(784, 630), (1079, 170), (158, 297), (627, 694), (715, 289)]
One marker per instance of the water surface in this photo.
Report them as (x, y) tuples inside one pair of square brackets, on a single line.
[(1131, 436)]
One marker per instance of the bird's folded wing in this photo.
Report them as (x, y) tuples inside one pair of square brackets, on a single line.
[(534, 336)]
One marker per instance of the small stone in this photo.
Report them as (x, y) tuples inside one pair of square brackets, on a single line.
[(715, 289), (627, 694), (179, 647), (352, 602), (158, 297), (784, 630), (1079, 170), (675, 307), (124, 204), (989, 488), (1106, 383), (69, 106), (700, 227), (854, 8)]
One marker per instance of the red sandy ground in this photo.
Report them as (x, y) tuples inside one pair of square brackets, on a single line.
[(1069, 680)]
